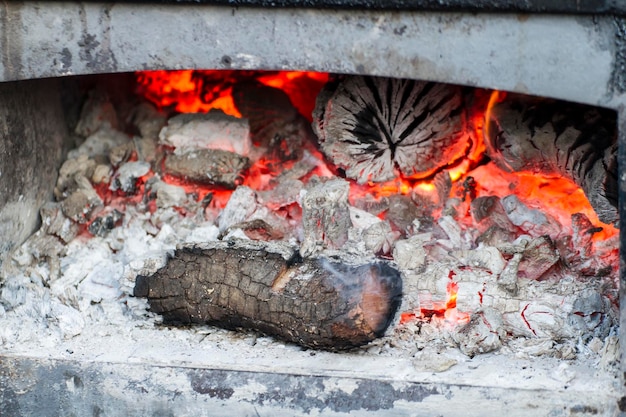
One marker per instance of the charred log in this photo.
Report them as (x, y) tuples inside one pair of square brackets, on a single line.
[(575, 141), (314, 302), (378, 128)]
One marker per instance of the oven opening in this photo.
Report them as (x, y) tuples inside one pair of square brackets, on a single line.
[(314, 223)]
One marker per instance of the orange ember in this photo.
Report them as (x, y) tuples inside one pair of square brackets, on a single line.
[(199, 91)]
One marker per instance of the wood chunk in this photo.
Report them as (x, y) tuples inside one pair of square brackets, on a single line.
[(257, 229), (275, 124), (483, 333), (315, 303), (379, 128), (148, 120), (97, 112), (489, 211), (578, 142), (53, 222), (539, 257), (325, 216), (208, 166)]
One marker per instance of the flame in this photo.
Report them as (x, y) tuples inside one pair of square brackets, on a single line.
[(179, 90), (445, 312), (199, 91)]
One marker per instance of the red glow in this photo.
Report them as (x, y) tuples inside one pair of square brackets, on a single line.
[(201, 91), (198, 91)]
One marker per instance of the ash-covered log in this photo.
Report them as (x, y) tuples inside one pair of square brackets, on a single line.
[(378, 128), (576, 141), (267, 287)]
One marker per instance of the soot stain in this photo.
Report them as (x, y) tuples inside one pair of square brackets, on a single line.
[(314, 393)]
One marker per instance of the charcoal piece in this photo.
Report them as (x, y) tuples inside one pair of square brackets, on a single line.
[(313, 302), (576, 141), (325, 216), (121, 153), (241, 205), (484, 333), (257, 229), (494, 236), (378, 128), (53, 222), (208, 166), (508, 277), (102, 225), (97, 112), (148, 120), (275, 124), (101, 174), (538, 258), (402, 212), (81, 203), (126, 177), (81, 166)]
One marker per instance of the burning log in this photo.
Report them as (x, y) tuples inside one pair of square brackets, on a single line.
[(314, 302), (378, 128), (575, 141)]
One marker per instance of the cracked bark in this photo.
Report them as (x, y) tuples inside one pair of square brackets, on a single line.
[(316, 303)]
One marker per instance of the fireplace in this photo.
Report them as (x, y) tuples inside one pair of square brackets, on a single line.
[(129, 372)]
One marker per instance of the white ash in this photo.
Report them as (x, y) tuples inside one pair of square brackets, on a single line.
[(325, 216), (148, 120), (213, 130), (100, 143), (241, 205), (98, 112), (127, 175), (168, 195)]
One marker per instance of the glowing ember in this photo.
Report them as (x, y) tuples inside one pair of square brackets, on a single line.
[(470, 173)]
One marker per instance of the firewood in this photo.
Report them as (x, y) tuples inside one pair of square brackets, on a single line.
[(379, 128), (316, 303), (575, 141)]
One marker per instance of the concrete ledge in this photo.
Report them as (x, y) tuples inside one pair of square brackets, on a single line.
[(562, 56), (38, 387)]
